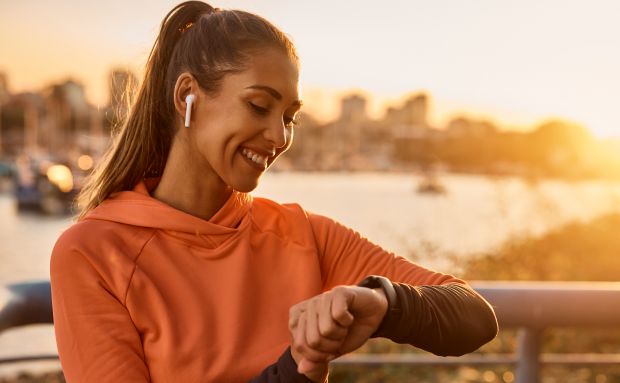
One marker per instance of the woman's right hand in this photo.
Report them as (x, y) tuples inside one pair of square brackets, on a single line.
[(332, 324)]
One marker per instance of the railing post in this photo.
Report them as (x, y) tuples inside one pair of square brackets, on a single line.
[(528, 353)]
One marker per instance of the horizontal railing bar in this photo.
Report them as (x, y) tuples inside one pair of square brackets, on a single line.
[(580, 359), (552, 304), (418, 359), (421, 359), (492, 359), (28, 358)]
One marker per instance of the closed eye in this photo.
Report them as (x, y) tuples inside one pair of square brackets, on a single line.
[(258, 109)]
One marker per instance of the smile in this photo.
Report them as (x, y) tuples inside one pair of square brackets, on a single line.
[(255, 157)]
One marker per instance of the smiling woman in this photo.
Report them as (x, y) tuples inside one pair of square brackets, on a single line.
[(174, 272)]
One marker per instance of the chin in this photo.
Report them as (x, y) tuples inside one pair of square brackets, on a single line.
[(245, 186)]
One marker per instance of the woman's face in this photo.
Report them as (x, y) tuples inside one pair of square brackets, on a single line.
[(239, 132)]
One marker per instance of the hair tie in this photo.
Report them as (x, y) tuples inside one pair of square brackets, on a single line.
[(186, 27)]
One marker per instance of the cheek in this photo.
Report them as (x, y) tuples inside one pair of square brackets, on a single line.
[(207, 142), (220, 133)]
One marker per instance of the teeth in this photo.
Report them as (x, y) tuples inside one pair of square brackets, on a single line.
[(254, 156)]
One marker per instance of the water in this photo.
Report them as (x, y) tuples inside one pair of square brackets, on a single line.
[(477, 214)]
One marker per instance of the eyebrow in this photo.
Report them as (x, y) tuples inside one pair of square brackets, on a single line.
[(274, 93)]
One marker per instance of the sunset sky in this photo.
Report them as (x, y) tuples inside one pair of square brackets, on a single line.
[(514, 62)]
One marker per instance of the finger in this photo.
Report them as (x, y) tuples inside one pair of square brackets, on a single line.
[(299, 334), (329, 328), (314, 339), (293, 315), (340, 310), (302, 347)]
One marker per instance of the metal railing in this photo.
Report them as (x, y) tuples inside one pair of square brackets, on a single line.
[(531, 307), (23, 304)]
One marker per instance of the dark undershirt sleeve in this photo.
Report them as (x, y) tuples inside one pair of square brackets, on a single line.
[(283, 371), (447, 320)]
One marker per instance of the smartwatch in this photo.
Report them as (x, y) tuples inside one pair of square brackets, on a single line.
[(394, 310)]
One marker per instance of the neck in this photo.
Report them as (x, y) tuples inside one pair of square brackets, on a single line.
[(189, 188)]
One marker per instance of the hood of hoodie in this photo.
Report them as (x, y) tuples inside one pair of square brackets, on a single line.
[(138, 208)]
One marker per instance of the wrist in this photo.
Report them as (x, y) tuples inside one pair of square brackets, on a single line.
[(383, 301), (393, 310)]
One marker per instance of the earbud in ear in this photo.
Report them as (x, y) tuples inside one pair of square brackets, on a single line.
[(189, 100)]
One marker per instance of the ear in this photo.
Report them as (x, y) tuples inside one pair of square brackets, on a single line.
[(186, 84)]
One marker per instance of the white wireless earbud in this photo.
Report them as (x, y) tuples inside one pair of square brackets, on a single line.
[(189, 100)]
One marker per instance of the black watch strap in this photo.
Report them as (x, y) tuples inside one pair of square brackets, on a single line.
[(394, 310)]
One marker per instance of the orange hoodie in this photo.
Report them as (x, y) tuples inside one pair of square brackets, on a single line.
[(144, 292)]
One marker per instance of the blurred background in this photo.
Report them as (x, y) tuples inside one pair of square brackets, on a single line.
[(480, 138)]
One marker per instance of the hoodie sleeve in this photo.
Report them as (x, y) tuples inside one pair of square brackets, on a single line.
[(438, 312), (96, 338)]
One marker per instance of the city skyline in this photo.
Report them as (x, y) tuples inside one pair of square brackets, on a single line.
[(516, 65)]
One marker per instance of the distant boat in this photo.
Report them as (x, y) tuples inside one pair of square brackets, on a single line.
[(44, 186), (430, 184)]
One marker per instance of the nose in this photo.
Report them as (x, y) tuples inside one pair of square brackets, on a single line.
[(277, 134)]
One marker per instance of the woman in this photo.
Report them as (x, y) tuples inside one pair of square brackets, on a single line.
[(175, 273)]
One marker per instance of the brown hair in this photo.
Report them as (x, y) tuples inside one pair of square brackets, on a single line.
[(194, 37)]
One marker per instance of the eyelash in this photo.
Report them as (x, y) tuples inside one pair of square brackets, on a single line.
[(264, 111)]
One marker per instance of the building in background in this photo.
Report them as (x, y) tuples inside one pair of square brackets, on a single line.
[(411, 131), (341, 139), (414, 112), (4, 87), (353, 109), (4, 96), (69, 117), (21, 119), (57, 122)]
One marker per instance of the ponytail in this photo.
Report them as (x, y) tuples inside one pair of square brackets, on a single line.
[(194, 37)]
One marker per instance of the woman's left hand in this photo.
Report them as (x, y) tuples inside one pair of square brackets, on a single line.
[(334, 323)]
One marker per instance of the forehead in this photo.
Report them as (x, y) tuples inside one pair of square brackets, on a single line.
[(270, 68)]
